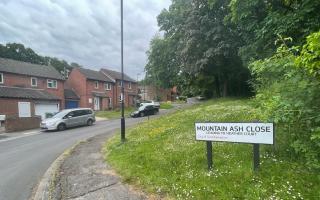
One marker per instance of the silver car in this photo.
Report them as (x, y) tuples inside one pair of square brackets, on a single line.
[(69, 118)]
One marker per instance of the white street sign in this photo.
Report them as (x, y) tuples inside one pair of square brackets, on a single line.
[(255, 133)]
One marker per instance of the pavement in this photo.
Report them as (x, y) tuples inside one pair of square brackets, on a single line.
[(84, 175)]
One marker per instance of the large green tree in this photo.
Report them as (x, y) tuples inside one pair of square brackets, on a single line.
[(202, 49), (260, 22)]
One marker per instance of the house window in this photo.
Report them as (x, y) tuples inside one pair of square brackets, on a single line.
[(120, 83), (107, 86), (34, 82), (96, 84), (24, 109), (51, 83), (1, 78), (129, 85)]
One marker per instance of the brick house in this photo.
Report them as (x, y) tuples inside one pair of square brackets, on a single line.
[(94, 89), (28, 90), (150, 92), (130, 88)]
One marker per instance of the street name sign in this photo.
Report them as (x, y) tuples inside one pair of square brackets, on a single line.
[(254, 133)]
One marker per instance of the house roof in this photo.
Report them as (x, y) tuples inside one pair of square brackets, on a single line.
[(94, 75), (70, 94), (116, 75), (26, 93), (30, 69)]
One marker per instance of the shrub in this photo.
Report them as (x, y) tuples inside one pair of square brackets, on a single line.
[(288, 92)]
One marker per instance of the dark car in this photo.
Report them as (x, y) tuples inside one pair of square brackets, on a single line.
[(145, 110)]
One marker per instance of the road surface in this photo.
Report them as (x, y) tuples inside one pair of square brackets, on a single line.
[(23, 160)]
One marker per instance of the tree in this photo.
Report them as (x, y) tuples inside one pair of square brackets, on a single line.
[(260, 22), (201, 49)]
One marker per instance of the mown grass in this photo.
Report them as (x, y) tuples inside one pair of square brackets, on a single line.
[(161, 156), (166, 105), (114, 114)]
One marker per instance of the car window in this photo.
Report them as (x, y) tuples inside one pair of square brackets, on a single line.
[(80, 113), (149, 107), (70, 114), (88, 112)]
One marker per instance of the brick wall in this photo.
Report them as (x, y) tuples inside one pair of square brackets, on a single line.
[(9, 107), (77, 81), (84, 88), (101, 89), (152, 93), (128, 98), (16, 80), (18, 124)]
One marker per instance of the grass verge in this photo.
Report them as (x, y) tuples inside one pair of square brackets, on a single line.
[(161, 156), (114, 114), (166, 105)]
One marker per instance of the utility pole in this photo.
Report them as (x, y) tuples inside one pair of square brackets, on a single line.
[(123, 126), (144, 86)]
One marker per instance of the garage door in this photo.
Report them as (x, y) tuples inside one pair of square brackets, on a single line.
[(42, 108), (72, 104)]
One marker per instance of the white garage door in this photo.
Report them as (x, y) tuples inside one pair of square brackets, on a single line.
[(42, 108)]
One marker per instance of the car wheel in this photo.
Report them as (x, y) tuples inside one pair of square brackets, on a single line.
[(89, 122), (142, 114), (61, 127)]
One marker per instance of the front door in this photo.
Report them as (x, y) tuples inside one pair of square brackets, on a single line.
[(96, 101)]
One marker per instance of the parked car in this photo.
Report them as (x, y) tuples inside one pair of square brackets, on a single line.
[(145, 110), (69, 118), (152, 103)]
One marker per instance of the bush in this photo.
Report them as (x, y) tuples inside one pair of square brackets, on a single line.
[(288, 92)]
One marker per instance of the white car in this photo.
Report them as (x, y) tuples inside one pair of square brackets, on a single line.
[(69, 118), (151, 103)]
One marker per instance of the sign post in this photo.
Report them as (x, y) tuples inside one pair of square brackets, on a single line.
[(256, 157), (209, 154), (251, 133)]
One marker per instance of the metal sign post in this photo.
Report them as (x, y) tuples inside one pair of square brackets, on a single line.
[(256, 157), (209, 154)]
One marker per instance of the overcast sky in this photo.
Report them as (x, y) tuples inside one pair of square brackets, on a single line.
[(83, 31)]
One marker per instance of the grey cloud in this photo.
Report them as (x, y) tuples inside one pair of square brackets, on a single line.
[(83, 31)]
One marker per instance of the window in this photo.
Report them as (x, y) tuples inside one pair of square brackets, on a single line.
[(34, 82), (120, 83), (51, 83), (24, 109), (88, 112), (70, 114), (96, 84), (1, 78), (129, 85), (107, 86)]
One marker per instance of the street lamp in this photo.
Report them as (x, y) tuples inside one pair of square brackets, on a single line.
[(123, 127)]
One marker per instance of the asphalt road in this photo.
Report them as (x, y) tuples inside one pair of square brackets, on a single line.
[(23, 160)]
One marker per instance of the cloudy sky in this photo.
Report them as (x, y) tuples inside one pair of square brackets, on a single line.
[(83, 31)]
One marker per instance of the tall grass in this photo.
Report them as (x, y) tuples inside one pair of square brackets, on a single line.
[(161, 156)]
